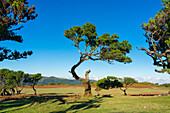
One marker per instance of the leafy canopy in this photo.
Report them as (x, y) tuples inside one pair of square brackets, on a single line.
[(33, 79), (10, 78), (129, 81), (157, 33), (105, 47), (12, 13), (107, 83)]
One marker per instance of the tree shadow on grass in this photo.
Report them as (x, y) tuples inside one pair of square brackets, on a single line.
[(30, 100), (56, 93), (51, 93), (84, 105)]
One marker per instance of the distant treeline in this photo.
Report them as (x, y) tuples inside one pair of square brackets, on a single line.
[(165, 85), (152, 84)]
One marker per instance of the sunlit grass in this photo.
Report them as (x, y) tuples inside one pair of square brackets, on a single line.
[(116, 103)]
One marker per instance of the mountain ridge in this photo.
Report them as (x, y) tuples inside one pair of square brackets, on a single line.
[(55, 80)]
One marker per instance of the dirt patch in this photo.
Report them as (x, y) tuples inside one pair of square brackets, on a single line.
[(148, 94)]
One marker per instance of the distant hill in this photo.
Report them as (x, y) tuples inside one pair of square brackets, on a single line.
[(55, 80)]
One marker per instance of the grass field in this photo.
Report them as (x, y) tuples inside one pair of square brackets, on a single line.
[(60, 100)]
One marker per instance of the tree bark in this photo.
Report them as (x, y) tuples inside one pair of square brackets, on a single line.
[(13, 91), (124, 90), (85, 82), (87, 85), (98, 93), (4, 91), (18, 90)]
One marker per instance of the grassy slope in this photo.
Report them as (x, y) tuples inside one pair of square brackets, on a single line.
[(116, 103)]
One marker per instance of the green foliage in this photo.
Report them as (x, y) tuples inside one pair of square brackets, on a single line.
[(14, 12), (107, 83), (165, 85), (158, 37), (11, 79), (51, 83), (105, 47), (60, 84), (3, 78), (33, 79), (18, 76), (129, 81)]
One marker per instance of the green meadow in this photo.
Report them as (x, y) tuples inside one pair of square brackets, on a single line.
[(70, 100)]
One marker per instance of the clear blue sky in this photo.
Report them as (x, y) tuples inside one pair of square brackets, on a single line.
[(53, 53)]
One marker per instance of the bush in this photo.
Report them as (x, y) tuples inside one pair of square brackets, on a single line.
[(61, 84), (40, 85), (166, 85), (51, 84)]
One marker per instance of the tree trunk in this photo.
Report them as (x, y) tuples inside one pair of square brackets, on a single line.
[(85, 82), (13, 91), (4, 91), (87, 85), (19, 90), (124, 90), (98, 93), (35, 93)]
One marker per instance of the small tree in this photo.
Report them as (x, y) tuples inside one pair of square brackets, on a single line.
[(107, 83), (105, 48), (33, 79), (18, 78), (158, 37), (11, 79), (12, 13), (127, 82)]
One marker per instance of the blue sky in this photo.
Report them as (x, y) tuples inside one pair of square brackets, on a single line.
[(53, 53)]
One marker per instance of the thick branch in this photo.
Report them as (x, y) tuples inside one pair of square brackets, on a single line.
[(161, 36), (73, 70), (152, 41), (160, 71), (79, 49), (153, 52), (123, 89), (94, 59), (86, 48)]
